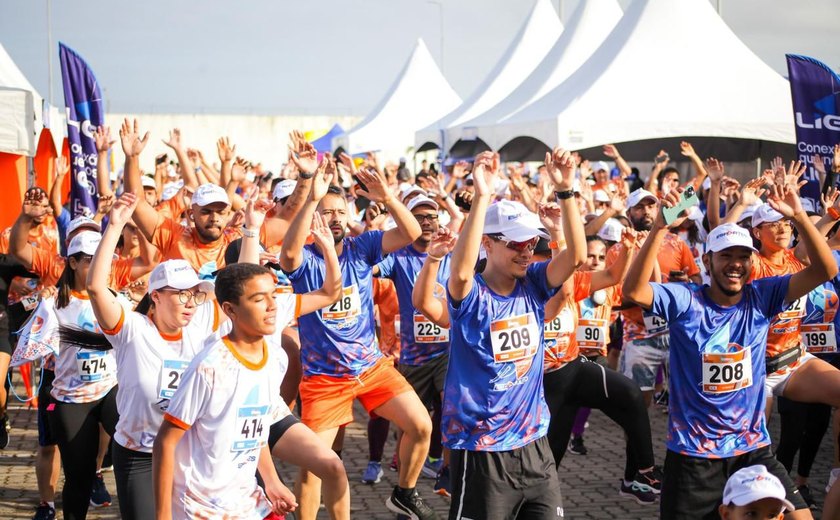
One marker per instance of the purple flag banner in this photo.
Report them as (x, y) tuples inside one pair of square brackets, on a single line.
[(815, 90), (85, 112)]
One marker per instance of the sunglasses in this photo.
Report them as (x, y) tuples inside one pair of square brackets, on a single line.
[(530, 245)]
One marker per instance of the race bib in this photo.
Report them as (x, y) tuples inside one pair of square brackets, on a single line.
[(819, 338), (251, 428), (796, 309), (514, 338), (726, 372), (427, 332), (29, 302), (92, 366), (654, 324), (591, 334), (563, 323), (170, 377), (349, 305)]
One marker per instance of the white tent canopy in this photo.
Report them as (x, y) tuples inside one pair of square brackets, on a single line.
[(419, 96), (668, 69), (586, 29), (20, 109), (535, 38)]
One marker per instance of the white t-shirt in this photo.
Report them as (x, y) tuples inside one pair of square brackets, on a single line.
[(150, 366), (227, 405), (82, 375)]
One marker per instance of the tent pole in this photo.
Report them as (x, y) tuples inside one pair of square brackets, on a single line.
[(49, 49), (757, 167)]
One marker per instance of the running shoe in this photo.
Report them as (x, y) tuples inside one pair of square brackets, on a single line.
[(661, 398), (641, 494), (44, 512), (5, 428), (431, 467), (805, 493), (395, 463), (373, 473), (652, 479), (410, 504), (835, 473), (99, 496), (442, 483), (576, 446)]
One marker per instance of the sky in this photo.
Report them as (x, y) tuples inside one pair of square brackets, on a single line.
[(321, 57)]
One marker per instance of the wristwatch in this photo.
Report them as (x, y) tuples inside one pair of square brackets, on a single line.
[(305, 175)]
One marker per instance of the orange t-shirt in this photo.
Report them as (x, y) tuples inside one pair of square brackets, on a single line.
[(385, 299), (784, 328), (559, 331), (172, 208), (611, 186), (49, 266), (593, 329), (675, 255), (44, 236)]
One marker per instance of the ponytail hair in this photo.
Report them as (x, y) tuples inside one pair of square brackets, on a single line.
[(145, 304)]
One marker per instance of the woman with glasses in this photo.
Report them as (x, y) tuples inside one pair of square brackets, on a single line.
[(152, 345)]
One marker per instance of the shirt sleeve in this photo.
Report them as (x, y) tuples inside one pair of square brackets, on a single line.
[(126, 329), (582, 285), (771, 292), (121, 273), (670, 300), (188, 403), (457, 308), (304, 266), (165, 235), (386, 267), (369, 246), (538, 278), (687, 259)]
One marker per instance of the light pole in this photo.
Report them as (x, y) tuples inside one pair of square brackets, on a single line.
[(439, 4)]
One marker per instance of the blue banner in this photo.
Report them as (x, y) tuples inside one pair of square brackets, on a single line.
[(815, 90), (85, 112)]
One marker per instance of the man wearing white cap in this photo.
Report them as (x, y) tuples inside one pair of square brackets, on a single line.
[(718, 340), (495, 417), (753, 492)]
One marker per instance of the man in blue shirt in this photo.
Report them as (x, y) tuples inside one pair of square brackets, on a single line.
[(495, 417), (718, 341)]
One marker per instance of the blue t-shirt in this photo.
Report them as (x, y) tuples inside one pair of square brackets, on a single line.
[(820, 326), (493, 396), (340, 340), (62, 220), (430, 341), (717, 373)]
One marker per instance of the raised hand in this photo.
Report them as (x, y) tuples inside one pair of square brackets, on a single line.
[(106, 202), (611, 151), (122, 209), (784, 198), (239, 170), (551, 216), (376, 184), (819, 165), (443, 242), (669, 201), (374, 216), (752, 191), (255, 212), (828, 199), (102, 138), (174, 141), (687, 150), (348, 163), (618, 203), (320, 184), (303, 154), (35, 203), (836, 158), (62, 167), (321, 233), (562, 169), (132, 144), (226, 151), (460, 169), (715, 169), (485, 172), (628, 238)]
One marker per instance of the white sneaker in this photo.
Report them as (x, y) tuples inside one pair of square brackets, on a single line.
[(834, 475)]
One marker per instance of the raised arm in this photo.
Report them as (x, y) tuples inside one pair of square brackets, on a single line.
[(107, 310), (62, 166), (408, 229), (617, 206), (330, 290), (102, 138), (291, 254), (187, 167), (227, 154), (145, 216), (750, 194), (562, 173), (423, 296), (611, 151), (700, 172), (302, 155), (615, 273), (659, 164), (715, 170), (34, 206), (465, 254)]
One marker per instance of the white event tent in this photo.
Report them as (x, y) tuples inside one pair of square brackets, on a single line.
[(419, 96), (668, 70), (535, 38), (20, 109)]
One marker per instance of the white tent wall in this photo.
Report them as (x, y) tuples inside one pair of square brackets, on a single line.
[(419, 95), (589, 25), (257, 138), (668, 69), (535, 38), (17, 121)]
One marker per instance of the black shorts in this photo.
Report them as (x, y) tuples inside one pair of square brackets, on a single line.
[(427, 380), (6, 346), (693, 486), (45, 402), (279, 428), (520, 483)]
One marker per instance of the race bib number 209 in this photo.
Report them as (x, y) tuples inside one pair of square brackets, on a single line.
[(514, 338)]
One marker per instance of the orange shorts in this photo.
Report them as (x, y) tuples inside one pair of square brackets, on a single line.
[(327, 402)]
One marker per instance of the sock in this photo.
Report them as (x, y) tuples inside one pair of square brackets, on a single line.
[(406, 492)]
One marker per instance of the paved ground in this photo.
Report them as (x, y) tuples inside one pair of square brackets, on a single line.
[(590, 483)]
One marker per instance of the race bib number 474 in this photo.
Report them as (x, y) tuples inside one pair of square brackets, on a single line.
[(514, 338)]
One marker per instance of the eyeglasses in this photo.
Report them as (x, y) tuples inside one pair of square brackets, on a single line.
[(431, 217), (779, 224), (530, 245), (185, 296)]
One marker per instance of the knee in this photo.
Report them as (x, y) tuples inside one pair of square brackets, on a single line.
[(420, 428), (333, 469)]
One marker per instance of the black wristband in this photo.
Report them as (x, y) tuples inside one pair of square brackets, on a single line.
[(562, 195), (304, 175)]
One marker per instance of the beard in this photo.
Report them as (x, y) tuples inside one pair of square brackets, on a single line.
[(642, 224), (339, 237)]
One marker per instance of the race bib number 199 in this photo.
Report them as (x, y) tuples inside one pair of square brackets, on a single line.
[(726, 372), (819, 338), (514, 338)]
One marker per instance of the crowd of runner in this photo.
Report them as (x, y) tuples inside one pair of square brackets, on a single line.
[(213, 316)]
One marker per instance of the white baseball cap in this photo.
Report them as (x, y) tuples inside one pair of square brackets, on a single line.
[(169, 191), (754, 483), (765, 213), (83, 222), (410, 190), (207, 194), (148, 182), (283, 189), (421, 200), (749, 212), (726, 236), (177, 274), (600, 196), (513, 221), (707, 184), (638, 196), (600, 165), (85, 242), (611, 230), (576, 186)]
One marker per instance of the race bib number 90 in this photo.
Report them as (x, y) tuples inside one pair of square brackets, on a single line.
[(92, 366), (726, 372), (514, 338), (251, 428), (591, 334), (819, 338), (349, 305)]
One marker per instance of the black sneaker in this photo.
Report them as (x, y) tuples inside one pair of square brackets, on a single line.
[(412, 505), (805, 493), (576, 446), (641, 494), (661, 398), (99, 496), (652, 479), (44, 512), (442, 483), (4, 431)]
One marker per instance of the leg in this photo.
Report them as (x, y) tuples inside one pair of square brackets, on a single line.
[(104, 441), (692, 487), (300, 446), (378, 429), (47, 469), (5, 358), (77, 431), (831, 506), (309, 485), (792, 417), (555, 388), (640, 362), (816, 425), (479, 487), (290, 341), (411, 417), (133, 473), (815, 381)]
